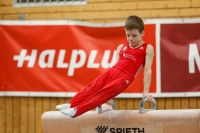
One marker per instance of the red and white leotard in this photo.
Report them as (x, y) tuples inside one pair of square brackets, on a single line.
[(131, 60)]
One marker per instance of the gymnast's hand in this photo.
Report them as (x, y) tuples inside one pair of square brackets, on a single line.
[(149, 97)]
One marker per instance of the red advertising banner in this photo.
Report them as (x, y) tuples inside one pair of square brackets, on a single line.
[(180, 57), (62, 57), (59, 58)]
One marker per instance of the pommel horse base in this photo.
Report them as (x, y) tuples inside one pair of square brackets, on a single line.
[(124, 121)]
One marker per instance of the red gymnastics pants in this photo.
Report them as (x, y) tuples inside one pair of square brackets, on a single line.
[(101, 90)]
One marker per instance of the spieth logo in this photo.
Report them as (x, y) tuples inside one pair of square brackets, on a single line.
[(101, 129), (104, 129)]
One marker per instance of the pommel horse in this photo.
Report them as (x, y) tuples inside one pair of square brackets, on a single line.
[(124, 121)]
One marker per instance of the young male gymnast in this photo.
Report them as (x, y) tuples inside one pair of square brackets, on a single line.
[(130, 59)]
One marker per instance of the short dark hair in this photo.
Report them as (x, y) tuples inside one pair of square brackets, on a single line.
[(134, 22)]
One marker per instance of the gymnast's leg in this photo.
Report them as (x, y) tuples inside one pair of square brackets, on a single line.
[(117, 84), (91, 88)]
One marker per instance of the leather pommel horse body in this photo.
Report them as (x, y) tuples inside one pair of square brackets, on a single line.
[(124, 121)]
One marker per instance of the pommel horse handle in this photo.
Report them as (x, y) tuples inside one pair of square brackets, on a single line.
[(144, 99), (112, 103), (142, 110)]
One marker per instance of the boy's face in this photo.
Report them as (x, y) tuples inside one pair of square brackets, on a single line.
[(134, 37)]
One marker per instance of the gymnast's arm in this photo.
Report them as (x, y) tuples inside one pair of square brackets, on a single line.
[(117, 53), (148, 71)]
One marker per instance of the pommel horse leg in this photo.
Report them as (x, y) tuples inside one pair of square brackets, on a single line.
[(124, 121)]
